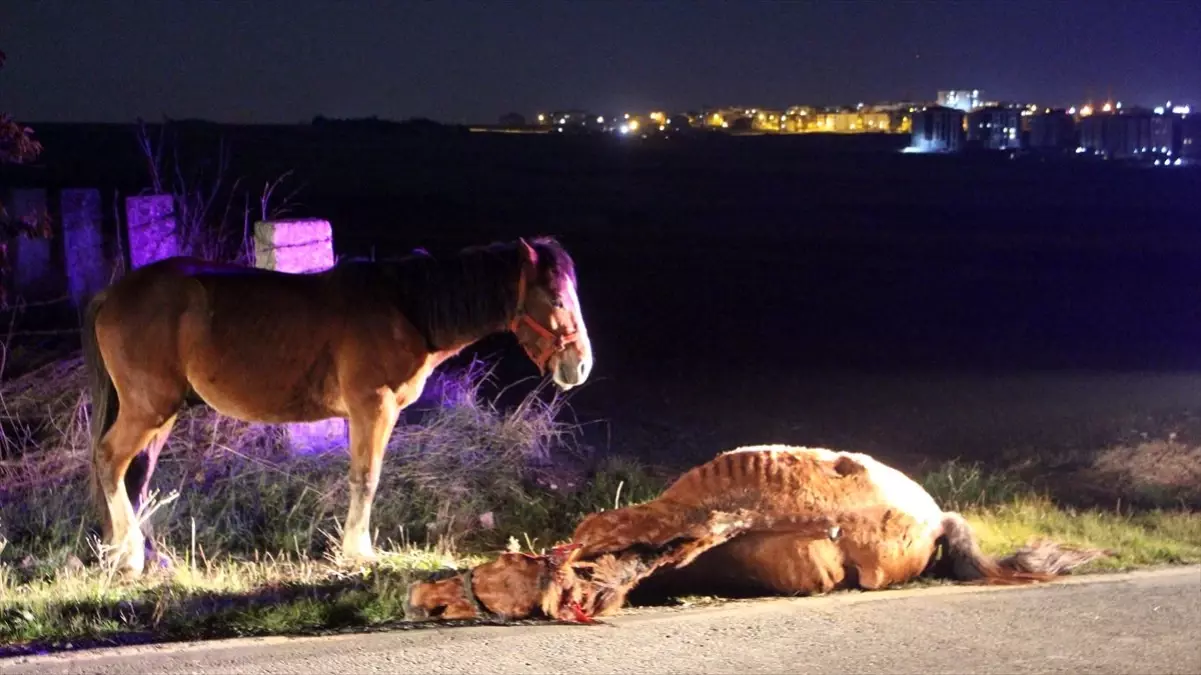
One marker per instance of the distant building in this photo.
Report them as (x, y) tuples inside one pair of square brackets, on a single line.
[(1117, 134), (1167, 134), (795, 119), (937, 129), (900, 114), (966, 100), (1190, 138), (1052, 130), (849, 122), (995, 128), (574, 120), (768, 120), (724, 118)]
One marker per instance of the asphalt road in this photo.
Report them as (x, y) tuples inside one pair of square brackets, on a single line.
[(1143, 622)]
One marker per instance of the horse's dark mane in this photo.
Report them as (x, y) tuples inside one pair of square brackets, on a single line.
[(457, 298)]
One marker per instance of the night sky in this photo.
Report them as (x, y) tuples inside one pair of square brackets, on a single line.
[(288, 60)]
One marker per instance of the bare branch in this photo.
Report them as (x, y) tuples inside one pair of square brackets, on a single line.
[(286, 204), (205, 196), (154, 156)]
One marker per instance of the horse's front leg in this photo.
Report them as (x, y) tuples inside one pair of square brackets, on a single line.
[(370, 427), (118, 446)]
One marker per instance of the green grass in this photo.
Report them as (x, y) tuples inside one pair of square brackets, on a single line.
[(1006, 513), (1135, 540), (229, 599), (251, 529)]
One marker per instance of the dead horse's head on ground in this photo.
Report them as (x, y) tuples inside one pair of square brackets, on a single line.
[(762, 520), (356, 341)]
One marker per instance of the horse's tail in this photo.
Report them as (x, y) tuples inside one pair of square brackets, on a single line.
[(103, 393), (962, 559)]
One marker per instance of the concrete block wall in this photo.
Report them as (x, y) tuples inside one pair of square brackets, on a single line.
[(152, 229)]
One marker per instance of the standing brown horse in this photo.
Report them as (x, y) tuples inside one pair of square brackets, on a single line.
[(357, 341)]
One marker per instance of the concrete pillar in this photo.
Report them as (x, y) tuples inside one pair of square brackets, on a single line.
[(88, 268), (31, 265), (294, 245), (151, 226), (300, 246)]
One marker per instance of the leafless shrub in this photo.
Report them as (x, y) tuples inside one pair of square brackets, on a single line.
[(205, 200)]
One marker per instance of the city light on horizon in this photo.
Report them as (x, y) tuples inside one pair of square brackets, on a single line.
[(716, 115), (1092, 130)]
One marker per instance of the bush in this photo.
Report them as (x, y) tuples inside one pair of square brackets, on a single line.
[(957, 486)]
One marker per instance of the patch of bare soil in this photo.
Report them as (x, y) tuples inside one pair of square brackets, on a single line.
[(1150, 474)]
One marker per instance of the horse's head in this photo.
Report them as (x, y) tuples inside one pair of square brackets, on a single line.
[(514, 586), (549, 323)]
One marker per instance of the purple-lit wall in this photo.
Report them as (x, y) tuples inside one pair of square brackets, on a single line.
[(31, 262), (151, 227), (88, 268)]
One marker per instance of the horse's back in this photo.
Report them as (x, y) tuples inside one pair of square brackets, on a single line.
[(163, 291), (791, 478)]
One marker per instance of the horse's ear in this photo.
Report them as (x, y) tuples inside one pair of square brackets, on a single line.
[(528, 252)]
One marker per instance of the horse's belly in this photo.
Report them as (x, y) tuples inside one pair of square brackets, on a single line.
[(250, 404), (755, 564), (266, 367)]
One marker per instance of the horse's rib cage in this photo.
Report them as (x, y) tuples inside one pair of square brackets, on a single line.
[(759, 471)]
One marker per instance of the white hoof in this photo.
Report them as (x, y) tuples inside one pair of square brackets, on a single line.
[(358, 549), (130, 559)]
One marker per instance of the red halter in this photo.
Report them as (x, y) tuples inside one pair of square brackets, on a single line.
[(548, 342)]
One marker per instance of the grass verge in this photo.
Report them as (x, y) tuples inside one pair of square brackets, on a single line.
[(1146, 518), (252, 530)]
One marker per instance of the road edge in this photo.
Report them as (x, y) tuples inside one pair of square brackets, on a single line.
[(633, 618)]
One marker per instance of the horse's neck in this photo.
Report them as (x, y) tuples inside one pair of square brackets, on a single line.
[(458, 301)]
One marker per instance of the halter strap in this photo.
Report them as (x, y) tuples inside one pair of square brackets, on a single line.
[(550, 342), (469, 594), (481, 610)]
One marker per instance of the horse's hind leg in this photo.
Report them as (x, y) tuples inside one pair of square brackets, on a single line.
[(137, 485), (129, 434)]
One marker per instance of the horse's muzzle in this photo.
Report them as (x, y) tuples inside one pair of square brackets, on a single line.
[(570, 368)]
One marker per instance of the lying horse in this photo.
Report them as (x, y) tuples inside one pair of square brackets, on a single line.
[(356, 341), (761, 520)]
